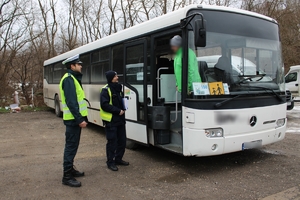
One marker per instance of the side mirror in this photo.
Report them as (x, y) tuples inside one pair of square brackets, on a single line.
[(200, 33)]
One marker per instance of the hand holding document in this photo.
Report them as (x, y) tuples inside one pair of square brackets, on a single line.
[(125, 103)]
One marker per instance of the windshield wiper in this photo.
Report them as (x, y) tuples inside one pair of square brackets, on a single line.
[(218, 105), (266, 89)]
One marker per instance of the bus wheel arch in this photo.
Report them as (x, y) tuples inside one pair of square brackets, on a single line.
[(57, 108)]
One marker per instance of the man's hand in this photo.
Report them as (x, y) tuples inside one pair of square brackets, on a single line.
[(83, 124), (122, 112)]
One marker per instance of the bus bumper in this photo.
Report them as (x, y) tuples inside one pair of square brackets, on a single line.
[(195, 142)]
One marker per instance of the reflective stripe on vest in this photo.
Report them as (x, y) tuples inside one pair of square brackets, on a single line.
[(67, 115), (106, 116)]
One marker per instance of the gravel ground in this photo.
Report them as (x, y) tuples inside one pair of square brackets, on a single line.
[(31, 147)]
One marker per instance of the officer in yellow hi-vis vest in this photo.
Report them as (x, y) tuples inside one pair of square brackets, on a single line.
[(112, 112), (75, 114)]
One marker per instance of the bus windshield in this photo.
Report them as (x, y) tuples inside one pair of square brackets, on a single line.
[(240, 56)]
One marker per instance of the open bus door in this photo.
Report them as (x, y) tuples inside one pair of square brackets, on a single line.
[(135, 90)]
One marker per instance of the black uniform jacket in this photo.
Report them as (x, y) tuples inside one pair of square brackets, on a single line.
[(117, 102), (69, 89)]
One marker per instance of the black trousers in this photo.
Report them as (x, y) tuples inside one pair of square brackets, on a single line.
[(116, 143), (72, 142)]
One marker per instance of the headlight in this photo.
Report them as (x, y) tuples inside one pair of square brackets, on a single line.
[(214, 132), (280, 123)]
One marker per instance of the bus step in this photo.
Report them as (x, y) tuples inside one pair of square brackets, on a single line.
[(172, 147)]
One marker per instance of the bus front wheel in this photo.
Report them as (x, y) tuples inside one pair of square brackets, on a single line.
[(131, 144), (58, 112)]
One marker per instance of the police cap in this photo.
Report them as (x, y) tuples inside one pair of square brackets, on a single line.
[(72, 60)]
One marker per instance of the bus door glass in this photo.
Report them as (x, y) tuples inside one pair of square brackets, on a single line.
[(135, 90)]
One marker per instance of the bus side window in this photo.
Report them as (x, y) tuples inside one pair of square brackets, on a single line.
[(85, 68), (51, 74), (98, 72), (46, 72), (57, 72), (100, 65), (117, 60), (95, 56)]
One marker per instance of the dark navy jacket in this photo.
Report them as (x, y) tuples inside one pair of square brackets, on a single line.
[(69, 89), (116, 108)]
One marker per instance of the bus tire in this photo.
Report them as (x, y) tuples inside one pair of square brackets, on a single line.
[(131, 144), (57, 109)]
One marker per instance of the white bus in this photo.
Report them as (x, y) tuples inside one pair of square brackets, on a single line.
[(251, 113)]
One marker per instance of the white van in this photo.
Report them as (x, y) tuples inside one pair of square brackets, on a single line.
[(292, 79)]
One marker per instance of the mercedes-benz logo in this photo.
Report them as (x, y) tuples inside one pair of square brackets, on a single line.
[(253, 121)]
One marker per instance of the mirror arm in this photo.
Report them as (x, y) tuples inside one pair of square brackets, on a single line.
[(185, 21)]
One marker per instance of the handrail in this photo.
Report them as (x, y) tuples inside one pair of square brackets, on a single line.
[(176, 108), (158, 80)]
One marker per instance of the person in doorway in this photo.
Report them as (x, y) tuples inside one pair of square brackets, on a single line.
[(112, 112), (74, 116), (193, 69)]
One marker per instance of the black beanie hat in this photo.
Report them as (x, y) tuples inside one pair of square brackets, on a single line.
[(110, 75)]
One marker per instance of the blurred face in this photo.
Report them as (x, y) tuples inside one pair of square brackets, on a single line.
[(76, 67), (174, 48), (115, 79)]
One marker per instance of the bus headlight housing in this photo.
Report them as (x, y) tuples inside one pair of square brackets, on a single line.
[(214, 132), (280, 123)]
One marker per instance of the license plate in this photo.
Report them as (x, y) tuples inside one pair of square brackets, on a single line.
[(252, 145), (289, 103)]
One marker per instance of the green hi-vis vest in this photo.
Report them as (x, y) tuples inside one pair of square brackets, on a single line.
[(80, 99), (106, 116)]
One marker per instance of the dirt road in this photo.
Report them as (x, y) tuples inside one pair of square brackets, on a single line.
[(31, 146)]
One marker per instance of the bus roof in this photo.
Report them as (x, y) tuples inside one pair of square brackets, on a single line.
[(157, 23)]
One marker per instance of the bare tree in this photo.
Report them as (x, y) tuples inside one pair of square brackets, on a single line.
[(70, 32), (222, 2), (249, 5), (10, 33), (92, 13), (50, 28), (124, 9), (132, 11), (112, 21), (147, 6), (21, 71)]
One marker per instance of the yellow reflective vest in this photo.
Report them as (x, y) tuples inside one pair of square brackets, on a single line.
[(106, 116), (67, 115)]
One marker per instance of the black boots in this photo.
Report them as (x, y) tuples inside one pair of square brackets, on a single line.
[(112, 167), (76, 173), (68, 178), (121, 162)]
